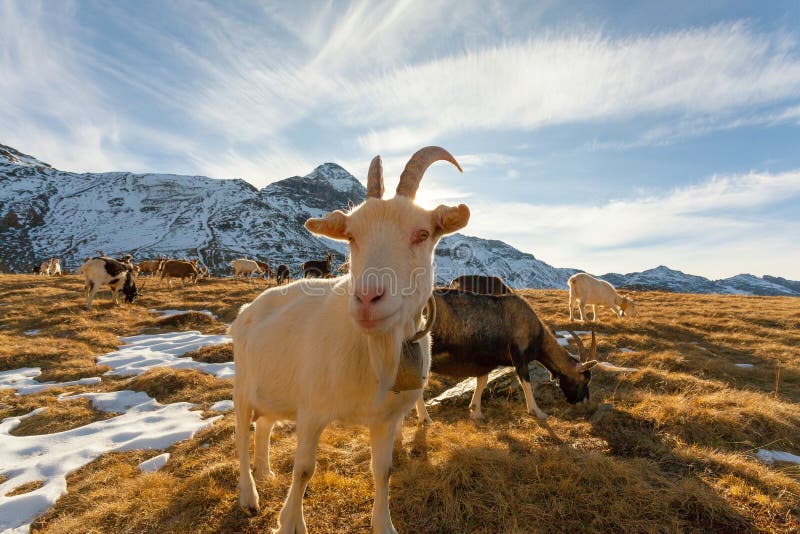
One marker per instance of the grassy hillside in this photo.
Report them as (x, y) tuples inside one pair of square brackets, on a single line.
[(668, 448)]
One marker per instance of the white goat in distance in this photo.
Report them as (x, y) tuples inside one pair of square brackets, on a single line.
[(586, 290)]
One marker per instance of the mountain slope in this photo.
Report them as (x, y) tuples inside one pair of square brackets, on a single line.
[(45, 212)]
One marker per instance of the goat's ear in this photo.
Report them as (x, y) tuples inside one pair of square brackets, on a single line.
[(447, 220), (333, 225)]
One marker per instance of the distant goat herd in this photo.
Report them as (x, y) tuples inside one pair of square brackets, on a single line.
[(330, 347)]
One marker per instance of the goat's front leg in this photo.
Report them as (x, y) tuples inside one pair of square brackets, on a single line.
[(422, 412), (381, 436), (530, 400), (291, 520), (475, 403), (594, 313)]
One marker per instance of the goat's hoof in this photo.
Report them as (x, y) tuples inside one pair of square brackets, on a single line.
[(248, 500), (477, 416), (541, 416), (251, 510), (426, 421)]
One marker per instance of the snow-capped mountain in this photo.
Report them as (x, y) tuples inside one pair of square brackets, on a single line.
[(45, 212), (666, 279)]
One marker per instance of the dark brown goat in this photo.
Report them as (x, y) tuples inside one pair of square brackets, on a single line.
[(475, 334), (283, 274), (318, 269)]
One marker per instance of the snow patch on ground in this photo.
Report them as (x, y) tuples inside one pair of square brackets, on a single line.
[(51, 457), (626, 349), (141, 353), (170, 313), (154, 464), (222, 406), (564, 338), (744, 365), (23, 381), (32, 332), (114, 401), (770, 457)]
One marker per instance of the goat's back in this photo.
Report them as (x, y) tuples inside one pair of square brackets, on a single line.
[(483, 324), (485, 285)]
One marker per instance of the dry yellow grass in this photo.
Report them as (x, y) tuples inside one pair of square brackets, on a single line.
[(674, 452)]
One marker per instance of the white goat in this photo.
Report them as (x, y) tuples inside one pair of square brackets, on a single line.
[(320, 350), (586, 290), (55, 267), (245, 267)]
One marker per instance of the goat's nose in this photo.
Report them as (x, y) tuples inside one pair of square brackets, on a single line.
[(369, 296)]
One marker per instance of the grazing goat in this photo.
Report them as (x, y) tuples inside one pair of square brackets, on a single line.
[(109, 272), (51, 267), (245, 267), (475, 334), (323, 350), (318, 269), (44, 268), (150, 267), (484, 285), (177, 269), (586, 290), (283, 275), (264, 266)]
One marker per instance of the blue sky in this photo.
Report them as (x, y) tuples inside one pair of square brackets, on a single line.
[(611, 136)]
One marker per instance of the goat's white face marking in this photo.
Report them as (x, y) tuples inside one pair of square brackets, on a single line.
[(391, 255)]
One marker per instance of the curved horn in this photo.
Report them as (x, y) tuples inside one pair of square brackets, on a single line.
[(375, 178), (416, 167), (430, 309), (579, 343)]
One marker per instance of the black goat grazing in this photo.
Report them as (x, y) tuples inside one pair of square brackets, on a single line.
[(478, 283), (475, 334), (318, 269), (282, 274)]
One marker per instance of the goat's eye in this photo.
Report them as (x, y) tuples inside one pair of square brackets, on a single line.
[(420, 236), (350, 239)]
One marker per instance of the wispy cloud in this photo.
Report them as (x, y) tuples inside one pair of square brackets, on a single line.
[(554, 80)]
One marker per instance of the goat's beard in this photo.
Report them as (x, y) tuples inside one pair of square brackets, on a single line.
[(384, 358)]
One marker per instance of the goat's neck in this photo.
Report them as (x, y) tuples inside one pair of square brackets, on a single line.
[(553, 356)]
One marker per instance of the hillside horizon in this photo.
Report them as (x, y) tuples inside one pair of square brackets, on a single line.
[(29, 196)]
